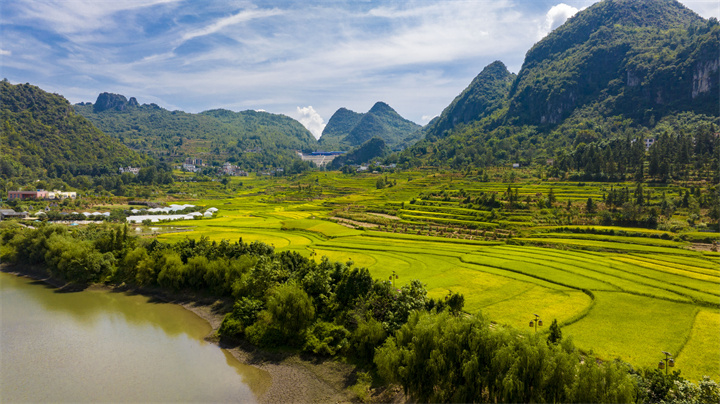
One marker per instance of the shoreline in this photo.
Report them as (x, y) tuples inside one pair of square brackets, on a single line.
[(294, 379)]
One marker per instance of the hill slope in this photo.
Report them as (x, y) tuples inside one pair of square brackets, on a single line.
[(627, 55), (347, 129), (487, 93), (341, 123), (42, 137), (618, 69), (252, 138)]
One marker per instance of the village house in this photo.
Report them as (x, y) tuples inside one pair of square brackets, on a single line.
[(38, 194), (57, 194), (9, 213), (190, 167), (230, 169), (128, 169), (649, 142)]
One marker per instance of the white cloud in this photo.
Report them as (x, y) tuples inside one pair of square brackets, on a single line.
[(4, 52), (82, 15), (705, 8), (311, 120), (242, 16), (556, 16), (427, 118)]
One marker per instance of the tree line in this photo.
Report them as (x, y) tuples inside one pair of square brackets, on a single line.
[(430, 347)]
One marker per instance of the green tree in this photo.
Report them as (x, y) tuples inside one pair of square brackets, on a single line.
[(555, 333), (291, 309)]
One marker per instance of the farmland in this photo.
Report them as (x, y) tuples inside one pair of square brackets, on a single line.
[(620, 291)]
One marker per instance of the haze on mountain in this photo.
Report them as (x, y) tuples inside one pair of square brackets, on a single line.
[(347, 129), (616, 67)]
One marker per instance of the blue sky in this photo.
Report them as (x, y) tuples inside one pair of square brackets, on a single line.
[(303, 59)]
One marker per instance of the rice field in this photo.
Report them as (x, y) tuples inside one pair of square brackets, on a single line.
[(618, 292)]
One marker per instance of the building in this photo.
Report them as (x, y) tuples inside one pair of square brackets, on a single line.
[(9, 213), (320, 158), (56, 194), (190, 167), (230, 169), (38, 194), (128, 169)]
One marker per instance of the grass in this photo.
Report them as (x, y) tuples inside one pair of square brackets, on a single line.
[(620, 291), (633, 328), (701, 355)]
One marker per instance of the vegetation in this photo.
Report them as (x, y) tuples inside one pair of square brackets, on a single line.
[(347, 129), (372, 149), (250, 139), (283, 299), (420, 275), (43, 138), (616, 73)]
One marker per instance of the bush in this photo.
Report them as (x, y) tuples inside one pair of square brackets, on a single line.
[(369, 334), (327, 339), (245, 313)]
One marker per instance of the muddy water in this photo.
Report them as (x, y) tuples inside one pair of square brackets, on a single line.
[(95, 346)]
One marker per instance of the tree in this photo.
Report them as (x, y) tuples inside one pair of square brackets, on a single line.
[(291, 309), (590, 206), (455, 302), (555, 333)]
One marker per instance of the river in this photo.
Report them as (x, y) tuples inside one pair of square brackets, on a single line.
[(100, 346)]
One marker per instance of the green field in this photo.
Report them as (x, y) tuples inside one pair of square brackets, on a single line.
[(620, 292)]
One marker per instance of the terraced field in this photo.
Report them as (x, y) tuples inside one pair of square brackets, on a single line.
[(620, 292)]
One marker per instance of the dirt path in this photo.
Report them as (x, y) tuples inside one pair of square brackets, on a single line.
[(343, 221), (386, 216)]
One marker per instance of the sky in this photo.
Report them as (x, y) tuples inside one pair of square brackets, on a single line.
[(302, 59)]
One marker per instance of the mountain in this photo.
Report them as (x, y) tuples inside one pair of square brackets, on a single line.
[(373, 148), (341, 123), (629, 56), (43, 137), (618, 69), (485, 94), (347, 129), (254, 139)]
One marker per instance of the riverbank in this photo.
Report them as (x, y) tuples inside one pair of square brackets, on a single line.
[(295, 378)]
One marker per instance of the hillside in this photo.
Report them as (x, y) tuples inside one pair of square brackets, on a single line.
[(42, 137), (373, 148), (347, 129), (620, 69), (338, 127), (253, 139), (482, 97)]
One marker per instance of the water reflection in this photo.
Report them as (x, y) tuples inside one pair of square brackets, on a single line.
[(101, 346)]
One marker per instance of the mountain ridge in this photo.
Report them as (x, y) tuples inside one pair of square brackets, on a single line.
[(616, 69), (43, 137), (347, 129), (217, 135)]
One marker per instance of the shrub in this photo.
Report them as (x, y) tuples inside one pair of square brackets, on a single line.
[(325, 338)]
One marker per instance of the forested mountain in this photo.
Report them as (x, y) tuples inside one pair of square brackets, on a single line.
[(369, 150), (338, 127), (620, 69), (252, 139), (347, 129), (482, 97), (42, 137)]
